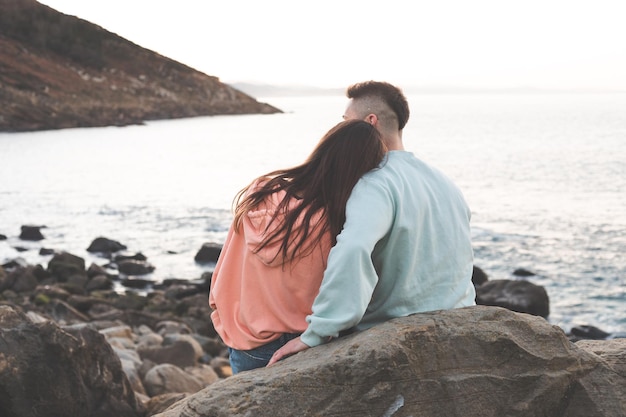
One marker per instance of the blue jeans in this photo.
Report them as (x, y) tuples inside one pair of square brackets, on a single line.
[(244, 360)]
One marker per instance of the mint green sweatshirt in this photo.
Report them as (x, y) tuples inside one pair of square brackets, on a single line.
[(405, 248)]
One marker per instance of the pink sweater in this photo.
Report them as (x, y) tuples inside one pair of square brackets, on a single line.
[(255, 297)]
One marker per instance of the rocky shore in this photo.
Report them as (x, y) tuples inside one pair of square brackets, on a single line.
[(90, 348)]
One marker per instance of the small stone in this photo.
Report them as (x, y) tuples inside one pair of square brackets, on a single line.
[(31, 233), (209, 252)]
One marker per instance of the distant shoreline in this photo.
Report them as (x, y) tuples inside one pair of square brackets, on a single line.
[(273, 90)]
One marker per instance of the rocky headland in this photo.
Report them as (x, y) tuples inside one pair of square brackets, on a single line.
[(79, 339), (58, 71)]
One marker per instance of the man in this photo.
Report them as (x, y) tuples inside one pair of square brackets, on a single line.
[(405, 246)]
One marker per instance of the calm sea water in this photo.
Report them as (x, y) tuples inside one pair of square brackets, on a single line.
[(544, 174)]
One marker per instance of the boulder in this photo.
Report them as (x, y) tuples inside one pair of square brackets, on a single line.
[(132, 267), (470, 362), (613, 352), (105, 246), (161, 402), (168, 378), (587, 332), (209, 252), (516, 295), (49, 371), (63, 265), (31, 233), (20, 279), (125, 257), (24, 279), (521, 272), (180, 353), (479, 277), (46, 251), (99, 282)]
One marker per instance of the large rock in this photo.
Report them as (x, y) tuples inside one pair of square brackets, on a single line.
[(476, 361), (167, 378), (132, 267), (31, 233), (63, 265), (516, 295), (209, 252), (105, 245), (180, 353), (612, 351), (21, 279), (48, 371)]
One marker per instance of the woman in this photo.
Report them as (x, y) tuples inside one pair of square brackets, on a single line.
[(272, 263)]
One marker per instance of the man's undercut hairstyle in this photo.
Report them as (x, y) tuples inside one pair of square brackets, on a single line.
[(390, 95)]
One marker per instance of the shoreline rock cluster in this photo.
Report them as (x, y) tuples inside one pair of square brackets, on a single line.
[(163, 342)]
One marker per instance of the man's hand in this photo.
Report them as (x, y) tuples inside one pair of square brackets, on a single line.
[(290, 348)]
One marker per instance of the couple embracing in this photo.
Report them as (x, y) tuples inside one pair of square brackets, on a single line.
[(360, 233)]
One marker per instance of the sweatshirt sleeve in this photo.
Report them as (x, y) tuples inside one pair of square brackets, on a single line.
[(350, 276)]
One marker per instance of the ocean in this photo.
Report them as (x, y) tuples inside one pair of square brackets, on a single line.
[(544, 175)]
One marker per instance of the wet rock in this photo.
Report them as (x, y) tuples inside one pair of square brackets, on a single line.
[(46, 251), (95, 270), (479, 277), (588, 332), (23, 279), (105, 246), (14, 263), (132, 267), (209, 252), (31, 233), (136, 283), (128, 257), (99, 282), (521, 272), (520, 296), (64, 265)]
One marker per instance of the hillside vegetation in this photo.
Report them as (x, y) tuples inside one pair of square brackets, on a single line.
[(59, 71)]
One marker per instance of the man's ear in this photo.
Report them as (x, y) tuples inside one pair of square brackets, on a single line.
[(372, 119)]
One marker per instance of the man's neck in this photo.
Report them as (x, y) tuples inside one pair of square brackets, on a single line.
[(394, 143)]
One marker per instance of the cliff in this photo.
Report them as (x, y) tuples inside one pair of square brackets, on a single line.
[(58, 71)]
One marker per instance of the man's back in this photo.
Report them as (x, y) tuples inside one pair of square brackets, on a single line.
[(405, 248)]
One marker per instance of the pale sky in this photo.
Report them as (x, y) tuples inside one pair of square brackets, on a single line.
[(554, 44)]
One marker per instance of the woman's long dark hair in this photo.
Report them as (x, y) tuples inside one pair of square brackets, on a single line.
[(321, 186)]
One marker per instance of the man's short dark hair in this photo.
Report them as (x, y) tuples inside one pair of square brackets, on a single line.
[(390, 94)]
